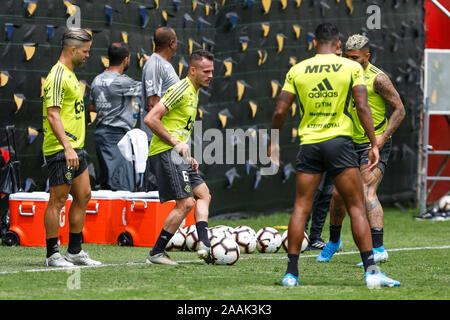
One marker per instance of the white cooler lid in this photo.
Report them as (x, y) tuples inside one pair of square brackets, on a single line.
[(30, 196), (143, 195), (109, 194)]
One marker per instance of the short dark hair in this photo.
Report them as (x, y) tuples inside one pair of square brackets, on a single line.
[(117, 51), (163, 36), (327, 32), (198, 55)]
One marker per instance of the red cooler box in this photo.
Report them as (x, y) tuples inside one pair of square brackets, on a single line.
[(145, 217), (27, 220), (105, 214)]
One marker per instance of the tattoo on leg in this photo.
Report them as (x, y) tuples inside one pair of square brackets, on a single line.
[(374, 209), (374, 213)]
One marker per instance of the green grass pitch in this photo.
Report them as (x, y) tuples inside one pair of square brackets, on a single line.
[(423, 272)]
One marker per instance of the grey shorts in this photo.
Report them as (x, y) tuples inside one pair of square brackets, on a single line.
[(363, 154), (176, 179), (58, 173)]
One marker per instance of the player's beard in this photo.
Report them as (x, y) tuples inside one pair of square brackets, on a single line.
[(78, 62)]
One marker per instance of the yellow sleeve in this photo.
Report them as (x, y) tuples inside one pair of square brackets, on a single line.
[(289, 84), (54, 89), (175, 95)]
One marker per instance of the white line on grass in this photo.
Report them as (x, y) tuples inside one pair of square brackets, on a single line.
[(196, 261), (353, 252)]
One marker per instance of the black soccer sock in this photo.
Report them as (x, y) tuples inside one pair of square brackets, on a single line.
[(75, 243), (202, 231), (52, 246), (335, 233), (292, 266), (161, 243), (368, 262), (377, 237)]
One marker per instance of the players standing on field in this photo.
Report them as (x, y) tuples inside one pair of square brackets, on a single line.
[(171, 121), (64, 135), (324, 86), (381, 93)]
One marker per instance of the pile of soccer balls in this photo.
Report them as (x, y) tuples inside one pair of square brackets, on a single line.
[(228, 243)]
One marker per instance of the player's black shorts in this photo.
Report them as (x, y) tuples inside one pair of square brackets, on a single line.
[(334, 156), (58, 173), (363, 154), (176, 179)]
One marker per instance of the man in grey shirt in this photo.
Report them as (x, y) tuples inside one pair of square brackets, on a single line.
[(158, 75), (116, 99)]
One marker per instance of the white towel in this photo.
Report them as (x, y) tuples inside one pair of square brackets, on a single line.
[(138, 139)]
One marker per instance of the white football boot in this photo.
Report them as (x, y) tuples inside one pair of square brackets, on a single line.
[(57, 260), (81, 258)]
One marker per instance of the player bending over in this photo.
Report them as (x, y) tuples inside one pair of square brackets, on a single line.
[(171, 120)]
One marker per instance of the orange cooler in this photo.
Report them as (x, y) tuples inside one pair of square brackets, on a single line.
[(27, 219), (104, 216), (145, 217)]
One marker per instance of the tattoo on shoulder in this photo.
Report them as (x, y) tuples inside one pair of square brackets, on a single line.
[(384, 87)]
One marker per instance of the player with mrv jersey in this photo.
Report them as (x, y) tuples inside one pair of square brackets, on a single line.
[(326, 144)]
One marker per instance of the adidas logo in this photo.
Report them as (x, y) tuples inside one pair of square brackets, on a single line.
[(101, 102), (323, 89)]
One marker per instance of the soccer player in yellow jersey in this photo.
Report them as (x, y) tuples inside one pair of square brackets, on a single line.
[(171, 121), (381, 93), (64, 135), (324, 86)]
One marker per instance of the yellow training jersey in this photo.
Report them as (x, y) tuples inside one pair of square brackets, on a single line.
[(62, 89), (377, 106), (181, 99), (323, 85)]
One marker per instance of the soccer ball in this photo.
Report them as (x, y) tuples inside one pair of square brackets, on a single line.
[(245, 237), (284, 241), (226, 230), (268, 240), (188, 229), (444, 203), (192, 240), (177, 242), (225, 252), (215, 235), (246, 228)]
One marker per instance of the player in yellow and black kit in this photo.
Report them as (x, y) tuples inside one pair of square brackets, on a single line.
[(171, 121), (381, 93), (64, 135), (324, 86)]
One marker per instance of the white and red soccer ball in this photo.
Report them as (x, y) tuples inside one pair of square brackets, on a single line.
[(245, 237), (177, 242), (225, 251), (268, 240), (284, 242), (444, 203)]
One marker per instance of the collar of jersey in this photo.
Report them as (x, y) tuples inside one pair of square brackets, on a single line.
[(65, 67), (368, 66), (190, 83)]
